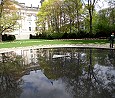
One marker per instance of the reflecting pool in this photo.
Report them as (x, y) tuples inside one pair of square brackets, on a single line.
[(58, 73)]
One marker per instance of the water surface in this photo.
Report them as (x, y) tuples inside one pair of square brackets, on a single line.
[(58, 73)]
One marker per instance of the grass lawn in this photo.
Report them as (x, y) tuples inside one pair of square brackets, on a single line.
[(33, 42)]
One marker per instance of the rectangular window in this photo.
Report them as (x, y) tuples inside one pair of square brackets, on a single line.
[(29, 28), (29, 23)]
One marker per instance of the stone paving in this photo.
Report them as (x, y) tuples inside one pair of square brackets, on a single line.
[(103, 46)]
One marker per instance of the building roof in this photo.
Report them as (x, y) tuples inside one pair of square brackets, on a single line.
[(23, 7)]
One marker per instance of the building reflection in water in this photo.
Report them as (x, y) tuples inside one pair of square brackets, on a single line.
[(60, 73), (29, 56)]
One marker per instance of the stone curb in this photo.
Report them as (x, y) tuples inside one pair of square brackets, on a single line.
[(103, 46)]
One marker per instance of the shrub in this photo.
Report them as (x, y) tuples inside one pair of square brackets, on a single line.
[(30, 36), (6, 37), (11, 37), (56, 35), (65, 36), (34, 36), (72, 35), (42, 36), (49, 37)]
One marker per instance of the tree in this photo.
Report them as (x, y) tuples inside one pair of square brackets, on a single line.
[(90, 6), (73, 12), (58, 14), (104, 24), (49, 16), (8, 17), (44, 15), (74, 16), (111, 4)]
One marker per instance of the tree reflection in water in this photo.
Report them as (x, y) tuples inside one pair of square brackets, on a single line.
[(88, 75), (10, 71), (84, 73)]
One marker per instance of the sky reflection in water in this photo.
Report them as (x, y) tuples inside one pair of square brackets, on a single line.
[(58, 73), (37, 85)]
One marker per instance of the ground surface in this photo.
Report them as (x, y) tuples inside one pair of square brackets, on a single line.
[(105, 46)]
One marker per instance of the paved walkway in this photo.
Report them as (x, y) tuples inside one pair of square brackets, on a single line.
[(103, 46)]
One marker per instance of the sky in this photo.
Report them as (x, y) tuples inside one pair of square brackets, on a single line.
[(34, 3), (101, 4)]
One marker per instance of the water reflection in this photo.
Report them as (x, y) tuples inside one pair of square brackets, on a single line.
[(86, 71), (58, 73), (37, 85), (10, 69)]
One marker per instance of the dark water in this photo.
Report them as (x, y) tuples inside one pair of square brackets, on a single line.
[(58, 73)]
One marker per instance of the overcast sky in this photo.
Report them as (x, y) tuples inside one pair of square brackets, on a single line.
[(35, 3)]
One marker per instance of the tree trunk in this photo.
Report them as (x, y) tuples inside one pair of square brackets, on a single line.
[(90, 15), (0, 37), (70, 25), (90, 23), (78, 23)]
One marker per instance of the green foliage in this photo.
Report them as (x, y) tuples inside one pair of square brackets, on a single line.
[(56, 35), (8, 17), (75, 16), (104, 25), (55, 14)]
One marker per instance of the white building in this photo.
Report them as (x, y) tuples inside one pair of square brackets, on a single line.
[(27, 22)]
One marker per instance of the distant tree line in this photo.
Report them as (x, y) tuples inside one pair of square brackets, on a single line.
[(75, 19)]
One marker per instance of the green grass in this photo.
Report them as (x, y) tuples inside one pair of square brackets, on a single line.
[(33, 42)]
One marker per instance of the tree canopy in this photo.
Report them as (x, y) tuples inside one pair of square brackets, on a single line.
[(74, 16), (8, 16)]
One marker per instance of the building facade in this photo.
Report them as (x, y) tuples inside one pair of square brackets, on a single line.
[(27, 22)]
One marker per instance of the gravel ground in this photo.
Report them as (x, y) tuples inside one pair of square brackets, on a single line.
[(103, 46)]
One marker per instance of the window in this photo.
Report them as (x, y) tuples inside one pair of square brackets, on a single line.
[(29, 18), (29, 28), (29, 23)]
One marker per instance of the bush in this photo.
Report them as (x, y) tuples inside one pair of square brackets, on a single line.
[(72, 35), (56, 35), (65, 36), (42, 36), (6, 37), (49, 37), (81, 34), (34, 36), (11, 37), (31, 36)]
